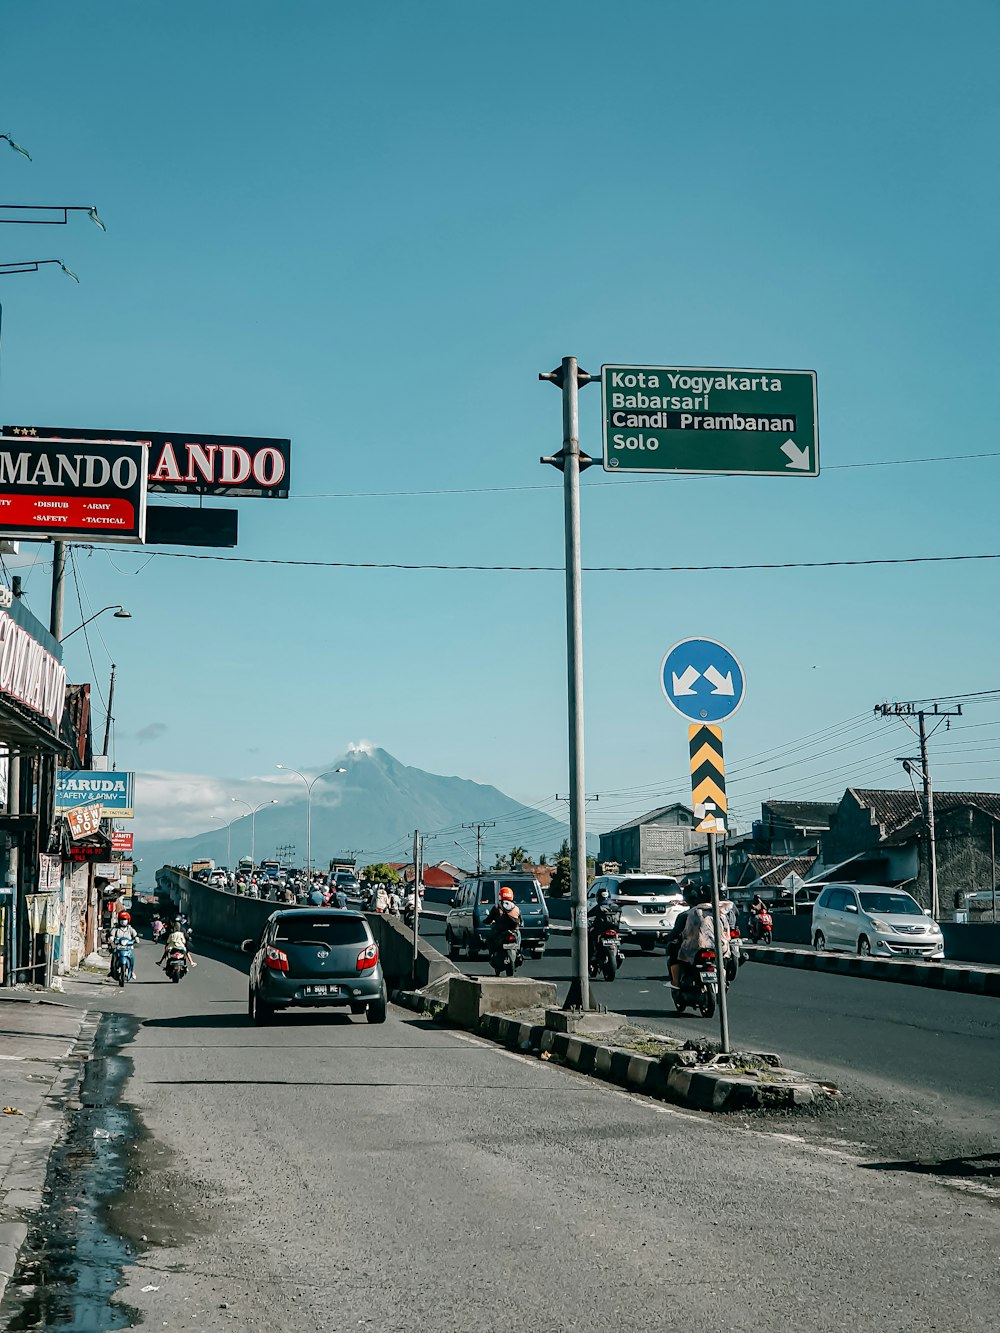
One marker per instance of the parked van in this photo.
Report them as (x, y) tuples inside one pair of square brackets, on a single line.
[(476, 897), (867, 919)]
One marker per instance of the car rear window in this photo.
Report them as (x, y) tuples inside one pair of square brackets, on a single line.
[(525, 890), (646, 888), (333, 929)]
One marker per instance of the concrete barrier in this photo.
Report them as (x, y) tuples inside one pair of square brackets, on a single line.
[(471, 997), (230, 918), (395, 946), (965, 977)]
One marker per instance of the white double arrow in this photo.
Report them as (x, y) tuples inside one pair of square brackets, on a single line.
[(721, 684)]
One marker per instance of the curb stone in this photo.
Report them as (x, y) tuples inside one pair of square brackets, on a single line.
[(676, 1076), (964, 977)]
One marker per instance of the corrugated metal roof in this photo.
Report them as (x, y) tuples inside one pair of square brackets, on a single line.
[(893, 809), (651, 815), (772, 870)]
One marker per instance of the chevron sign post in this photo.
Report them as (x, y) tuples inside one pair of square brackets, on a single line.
[(708, 778)]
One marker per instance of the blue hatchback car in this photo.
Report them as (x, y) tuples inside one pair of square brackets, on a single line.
[(316, 957)]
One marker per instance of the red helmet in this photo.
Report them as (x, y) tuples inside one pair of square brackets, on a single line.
[(506, 894), (124, 916)]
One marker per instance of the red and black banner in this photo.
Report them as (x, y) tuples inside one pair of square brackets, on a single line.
[(55, 490), (180, 464)]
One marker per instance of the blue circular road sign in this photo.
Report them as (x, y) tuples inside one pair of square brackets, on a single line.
[(702, 680)]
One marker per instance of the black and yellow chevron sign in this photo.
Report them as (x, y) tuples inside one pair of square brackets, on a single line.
[(708, 770)]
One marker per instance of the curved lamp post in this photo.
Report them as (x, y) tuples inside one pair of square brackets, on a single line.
[(309, 793), (253, 814), (229, 839), (120, 614)]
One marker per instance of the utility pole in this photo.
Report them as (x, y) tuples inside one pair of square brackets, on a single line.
[(938, 715), (58, 588), (491, 823), (111, 699), (568, 377), (416, 908)]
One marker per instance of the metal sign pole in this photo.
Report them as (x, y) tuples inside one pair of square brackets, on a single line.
[(568, 378), (720, 964)]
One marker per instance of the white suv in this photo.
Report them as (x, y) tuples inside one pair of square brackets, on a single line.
[(650, 904), (867, 919)]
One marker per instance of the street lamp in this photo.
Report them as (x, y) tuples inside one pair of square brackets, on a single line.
[(229, 838), (33, 265), (120, 614), (253, 814), (309, 794), (64, 209)]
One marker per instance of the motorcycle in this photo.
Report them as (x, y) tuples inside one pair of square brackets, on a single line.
[(408, 910), (761, 927), (506, 955), (176, 965), (699, 988), (736, 957), (159, 930), (123, 963), (606, 956)]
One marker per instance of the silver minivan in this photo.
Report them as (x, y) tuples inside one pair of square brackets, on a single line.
[(868, 919)]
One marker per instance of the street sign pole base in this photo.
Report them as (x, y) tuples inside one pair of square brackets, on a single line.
[(574, 999)]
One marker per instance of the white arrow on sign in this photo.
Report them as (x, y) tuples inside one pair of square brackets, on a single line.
[(723, 683), (797, 458), (682, 684)]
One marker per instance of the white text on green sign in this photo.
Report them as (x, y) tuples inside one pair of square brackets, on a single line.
[(704, 419)]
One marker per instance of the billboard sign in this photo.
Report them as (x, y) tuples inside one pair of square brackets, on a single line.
[(181, 464), (121, 842), (84, 821), (114, 791), (72, 489)]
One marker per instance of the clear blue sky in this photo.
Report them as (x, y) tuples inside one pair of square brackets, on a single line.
[(369, 227)]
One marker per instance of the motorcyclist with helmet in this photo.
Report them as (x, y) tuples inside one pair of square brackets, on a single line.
[(504, 916), (124, 936), (603, 916)]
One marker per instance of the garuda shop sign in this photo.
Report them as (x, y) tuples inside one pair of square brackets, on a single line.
[(85, 489), (238, 466)]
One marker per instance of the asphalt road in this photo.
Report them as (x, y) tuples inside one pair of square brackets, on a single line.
[(921, 1065), (327, 1174)]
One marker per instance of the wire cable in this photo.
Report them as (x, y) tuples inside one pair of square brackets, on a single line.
[(560, 569)]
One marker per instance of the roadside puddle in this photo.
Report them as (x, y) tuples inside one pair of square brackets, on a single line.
[(72, 1262)]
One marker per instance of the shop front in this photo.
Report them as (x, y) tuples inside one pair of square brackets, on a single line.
[(32, 699)]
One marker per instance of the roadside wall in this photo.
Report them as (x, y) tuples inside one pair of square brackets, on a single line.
[(229, 918)]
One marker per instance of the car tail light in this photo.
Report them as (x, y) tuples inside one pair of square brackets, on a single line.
[(275, 959), (368, 958)]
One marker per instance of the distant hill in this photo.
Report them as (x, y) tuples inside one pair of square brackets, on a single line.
[(372, 810)]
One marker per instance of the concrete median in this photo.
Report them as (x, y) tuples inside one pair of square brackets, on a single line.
[(965, 977)]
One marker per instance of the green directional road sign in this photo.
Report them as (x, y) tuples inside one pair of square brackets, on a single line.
[(704, 419)]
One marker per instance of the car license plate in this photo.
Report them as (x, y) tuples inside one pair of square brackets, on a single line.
[(320, 990)]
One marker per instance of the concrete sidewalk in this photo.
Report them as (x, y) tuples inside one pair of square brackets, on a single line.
[(44, 1043)]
